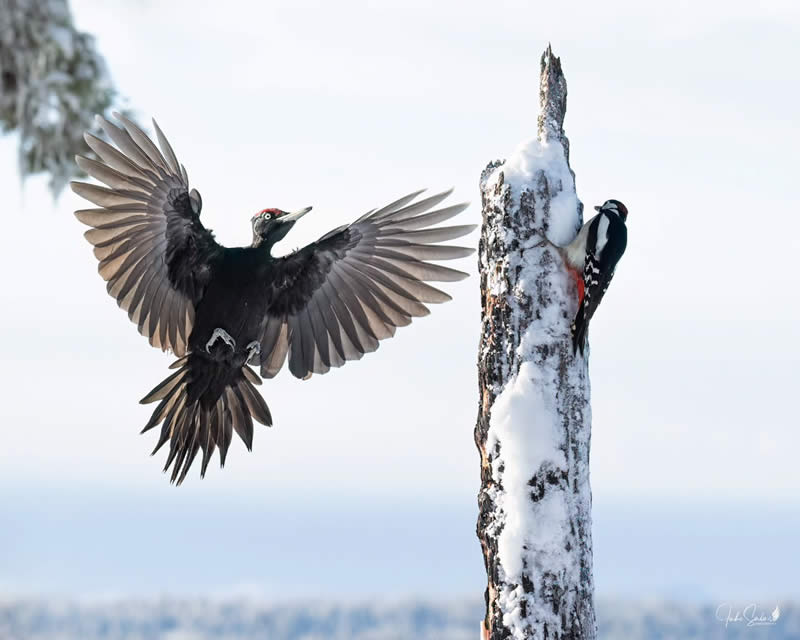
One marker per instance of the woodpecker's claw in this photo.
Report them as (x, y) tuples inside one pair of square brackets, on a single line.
[(253, 349), (546, 242), (220, 334)]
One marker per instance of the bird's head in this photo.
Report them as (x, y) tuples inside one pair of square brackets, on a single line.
[(614, 206), (272, 225)]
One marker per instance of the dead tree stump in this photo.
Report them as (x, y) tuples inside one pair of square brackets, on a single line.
[(534, 421)]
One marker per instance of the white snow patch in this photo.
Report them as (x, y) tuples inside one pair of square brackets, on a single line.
[(524, 421), (521, 171)]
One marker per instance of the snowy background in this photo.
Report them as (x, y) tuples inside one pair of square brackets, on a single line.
[(364, 489), (205, 619)]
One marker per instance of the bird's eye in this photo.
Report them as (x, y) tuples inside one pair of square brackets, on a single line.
[(267, 216)]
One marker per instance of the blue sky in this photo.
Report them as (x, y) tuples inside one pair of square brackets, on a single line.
[(687, 113)]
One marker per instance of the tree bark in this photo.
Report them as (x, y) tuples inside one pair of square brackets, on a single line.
[(534, 420)]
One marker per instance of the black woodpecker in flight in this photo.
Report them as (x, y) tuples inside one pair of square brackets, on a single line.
[(219, 309), (591, 258)]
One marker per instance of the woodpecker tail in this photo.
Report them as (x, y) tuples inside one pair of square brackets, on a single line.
[(201, 405), (579, 326), (580, 322)]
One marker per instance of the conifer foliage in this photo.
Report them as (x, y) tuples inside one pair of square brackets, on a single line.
[(52, 82)]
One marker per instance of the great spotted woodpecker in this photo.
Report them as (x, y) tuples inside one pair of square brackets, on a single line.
[(591, 259)]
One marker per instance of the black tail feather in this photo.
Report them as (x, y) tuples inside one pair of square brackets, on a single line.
[(579, 326), (226, 431), (194, 422), (165, 387)]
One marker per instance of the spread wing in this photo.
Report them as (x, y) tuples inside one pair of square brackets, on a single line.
[(153, 250), (334, 300)]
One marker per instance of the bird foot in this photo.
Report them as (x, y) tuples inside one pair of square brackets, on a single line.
[(545, 243), (220, 334), (253, 350)]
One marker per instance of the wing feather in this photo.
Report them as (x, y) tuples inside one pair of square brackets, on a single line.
[(320, 333), (358, 283), (151, 247), (114, 158)]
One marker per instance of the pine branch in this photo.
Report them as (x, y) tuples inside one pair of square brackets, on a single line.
[(53, 82)]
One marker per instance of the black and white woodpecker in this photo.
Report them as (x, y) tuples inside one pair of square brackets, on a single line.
[(591, 259)]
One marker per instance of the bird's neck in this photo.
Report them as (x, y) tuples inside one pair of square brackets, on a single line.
[(263, 245)]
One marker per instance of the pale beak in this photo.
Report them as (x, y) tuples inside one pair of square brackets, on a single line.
[(294, 215)]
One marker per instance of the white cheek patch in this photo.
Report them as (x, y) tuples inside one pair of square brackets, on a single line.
[(602, 235)]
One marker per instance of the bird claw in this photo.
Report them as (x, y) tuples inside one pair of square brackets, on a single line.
[(220, 334), (253, 350), (546, 243)]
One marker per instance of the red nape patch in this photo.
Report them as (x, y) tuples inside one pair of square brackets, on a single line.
[(274, 212)]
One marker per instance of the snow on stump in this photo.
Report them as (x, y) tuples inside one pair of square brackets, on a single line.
[(534, 422)]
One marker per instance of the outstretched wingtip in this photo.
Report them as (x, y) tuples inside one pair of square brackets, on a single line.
[(467, 229), (458, 276)]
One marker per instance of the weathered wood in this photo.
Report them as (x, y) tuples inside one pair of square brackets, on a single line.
[(534, 418)]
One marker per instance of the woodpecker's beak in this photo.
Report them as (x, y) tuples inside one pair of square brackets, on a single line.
[(597, 207), (294, 216)]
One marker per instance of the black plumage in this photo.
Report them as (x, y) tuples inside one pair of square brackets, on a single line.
[(220, 308)]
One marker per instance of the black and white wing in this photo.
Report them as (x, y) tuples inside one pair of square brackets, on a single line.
[(606, 243), (153, 250), (335, 299)]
